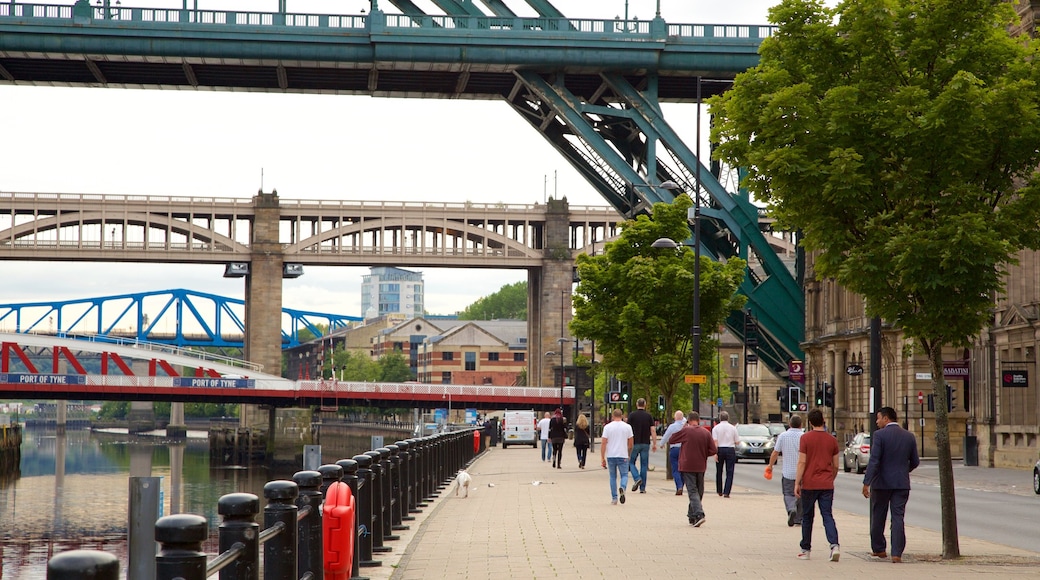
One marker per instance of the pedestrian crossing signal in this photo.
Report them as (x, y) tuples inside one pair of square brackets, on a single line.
[(615, 397)]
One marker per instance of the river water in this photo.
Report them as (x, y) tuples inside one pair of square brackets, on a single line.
[(72, 492)]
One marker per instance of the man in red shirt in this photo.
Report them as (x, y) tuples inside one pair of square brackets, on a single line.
[(814, 482), (697, 446)]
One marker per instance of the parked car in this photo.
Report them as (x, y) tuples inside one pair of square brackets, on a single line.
[(1036, 478), (775, 429), (754, 442), (857, 453)]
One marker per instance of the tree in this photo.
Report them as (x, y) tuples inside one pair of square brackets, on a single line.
[(635, 301), (394, 368), (893, 134), (509, 302)]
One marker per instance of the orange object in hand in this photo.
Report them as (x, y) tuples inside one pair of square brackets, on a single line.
[(768, 473)]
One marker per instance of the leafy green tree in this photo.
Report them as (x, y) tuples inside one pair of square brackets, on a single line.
[(635, 301), (509, 302), (900, 136), (357, 366), (114, 410), (394, 368)]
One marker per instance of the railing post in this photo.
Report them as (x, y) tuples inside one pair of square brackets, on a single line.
[(180, 540), (350, 468), (364, 510), (84, 565), (377, 503), (239, 526), (386, 489), (413, 476), (310, 533), (330, 473), (401, 514), (280, 556), (443, 441)]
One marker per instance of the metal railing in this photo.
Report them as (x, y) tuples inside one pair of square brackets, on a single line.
[(388, 485)]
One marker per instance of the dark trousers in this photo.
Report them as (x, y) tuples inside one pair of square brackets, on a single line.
[(883, 501), (825, 498), (694, 491), (727, 458), (557, 451), (583, 451)]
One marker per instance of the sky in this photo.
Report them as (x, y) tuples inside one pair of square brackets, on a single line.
[(308, 147)]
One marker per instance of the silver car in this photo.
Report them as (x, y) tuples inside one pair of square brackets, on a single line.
[(754, 442), (857, 453)]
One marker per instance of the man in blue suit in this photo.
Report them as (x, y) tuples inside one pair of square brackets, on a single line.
[(893, 455)]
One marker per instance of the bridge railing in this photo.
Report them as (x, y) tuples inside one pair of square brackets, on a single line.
[(622, 28), (382, 487)]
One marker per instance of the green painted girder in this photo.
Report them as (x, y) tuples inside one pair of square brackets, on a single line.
[(597, 139), (498, 8), (545, 9)]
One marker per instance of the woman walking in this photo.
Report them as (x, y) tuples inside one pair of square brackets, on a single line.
[(557, 435), (581, 439)]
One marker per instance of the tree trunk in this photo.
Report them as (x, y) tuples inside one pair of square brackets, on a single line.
[(947, 496)]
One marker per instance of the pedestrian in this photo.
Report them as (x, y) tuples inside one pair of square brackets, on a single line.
[(673, 449), (725, 436), (543, 434), (582, 438), (787, 445), (557, 435), (643, 433), (614, 451), (814, 483), (696, 446), (893, 455)]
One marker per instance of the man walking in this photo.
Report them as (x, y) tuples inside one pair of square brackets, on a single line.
[(893, 455), (673, 450), (696, 446), (643, 432), (725, 436), (543, 434), (614, 452), (787, 445), (814, 482)]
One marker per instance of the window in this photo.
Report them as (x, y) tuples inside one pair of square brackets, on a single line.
[(471, 361), (447, 356), (492, 356), (733, 361), (446, 377), (518, 357)]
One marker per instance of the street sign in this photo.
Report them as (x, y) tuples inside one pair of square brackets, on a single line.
[(718, 403), (920, 398), (699, 379), (923, 376), (853, 370), (803, 407)]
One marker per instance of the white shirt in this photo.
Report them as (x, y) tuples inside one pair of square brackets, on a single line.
[(725, 435), (787, 445), (617, 434), (543, 429), (671, 431)]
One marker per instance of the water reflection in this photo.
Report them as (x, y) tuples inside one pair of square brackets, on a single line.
[(74, 488)]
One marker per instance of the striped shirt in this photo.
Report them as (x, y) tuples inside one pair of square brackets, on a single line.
[(787, 445)]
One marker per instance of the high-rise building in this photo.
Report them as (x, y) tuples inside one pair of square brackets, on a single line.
[(391, 290)]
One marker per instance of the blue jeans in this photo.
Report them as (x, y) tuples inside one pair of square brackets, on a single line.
[(642, 452), (546, 449), (727, 457), (673, 458), (614, 466), (826, 499)]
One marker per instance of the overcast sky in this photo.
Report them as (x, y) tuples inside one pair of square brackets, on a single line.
[(197, 143)]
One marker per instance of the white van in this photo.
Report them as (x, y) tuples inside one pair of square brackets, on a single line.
[(518, 428)]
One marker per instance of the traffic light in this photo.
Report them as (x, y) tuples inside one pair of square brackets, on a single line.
[(660, 402), (626, 390), (750, 330), (819, 397), (614, 397), (784, 396), (828, 395), (951, 395), (794, 397)]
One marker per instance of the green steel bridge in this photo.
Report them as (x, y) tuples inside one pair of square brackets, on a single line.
[(591, 87)]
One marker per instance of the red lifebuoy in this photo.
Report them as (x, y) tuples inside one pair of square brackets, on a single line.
[(338, 526)]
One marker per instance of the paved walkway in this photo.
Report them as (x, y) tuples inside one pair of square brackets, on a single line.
[(524, 519)]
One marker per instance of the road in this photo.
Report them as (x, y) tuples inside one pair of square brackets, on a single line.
[(996, 505)]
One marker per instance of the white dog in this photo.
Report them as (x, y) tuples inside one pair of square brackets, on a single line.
[(462, 481)]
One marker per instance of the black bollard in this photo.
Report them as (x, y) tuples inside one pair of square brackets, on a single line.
[(364, 510), (350, 468), (403, 467), (309, 555), (377, 503), (239, 527), (180, 540), (386, 489), (330, 473), (413, 469), (280, 556), (83, 565)]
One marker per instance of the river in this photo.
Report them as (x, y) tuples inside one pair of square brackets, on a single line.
[(72, 492)]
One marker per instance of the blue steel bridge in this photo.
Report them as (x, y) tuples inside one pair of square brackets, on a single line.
[(591, 87)]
